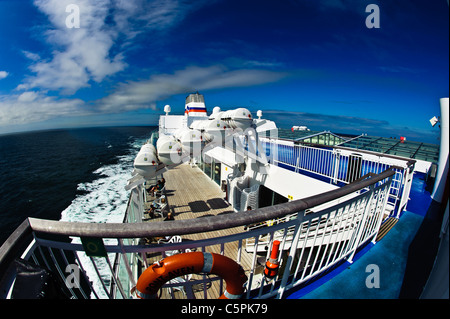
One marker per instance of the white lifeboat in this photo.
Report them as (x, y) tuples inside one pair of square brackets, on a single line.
[(210, 128), (146, 161), (169, 149), (238, 118), (191, 141)]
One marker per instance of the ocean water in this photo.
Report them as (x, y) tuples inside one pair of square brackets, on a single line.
[(70, 174)]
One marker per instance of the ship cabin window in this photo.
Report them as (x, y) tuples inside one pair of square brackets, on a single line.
[(207, 169), (211, 169), (216, 173), (268, 197)]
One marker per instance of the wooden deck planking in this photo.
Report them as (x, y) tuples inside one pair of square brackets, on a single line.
[(190, 195)]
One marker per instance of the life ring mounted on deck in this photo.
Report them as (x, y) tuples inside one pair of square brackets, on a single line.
[(178, 265)]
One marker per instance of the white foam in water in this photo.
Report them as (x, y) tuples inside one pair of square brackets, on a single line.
[(105, 201)]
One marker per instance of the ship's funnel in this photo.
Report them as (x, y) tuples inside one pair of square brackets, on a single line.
[(195, 105)]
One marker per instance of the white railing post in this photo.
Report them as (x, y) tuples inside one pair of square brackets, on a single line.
[(361, 227), (386, 190), (337, 159), (287, 268), (408, 173)]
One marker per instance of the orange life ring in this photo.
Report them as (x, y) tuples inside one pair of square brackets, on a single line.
[(191, 263)]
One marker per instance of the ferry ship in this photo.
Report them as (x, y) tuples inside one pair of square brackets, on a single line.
[(230, 206)]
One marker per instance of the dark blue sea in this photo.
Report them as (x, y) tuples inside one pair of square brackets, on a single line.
[(69, 174)]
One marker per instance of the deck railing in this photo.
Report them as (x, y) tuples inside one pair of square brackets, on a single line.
[(322, 231), (339, 165)]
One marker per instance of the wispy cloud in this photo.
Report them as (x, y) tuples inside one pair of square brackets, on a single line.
[(79, 54), (94, 51), (31, 56), (77, 57), (35, 106), (263, 64), (31, 106), (136, 95), (3, 74)]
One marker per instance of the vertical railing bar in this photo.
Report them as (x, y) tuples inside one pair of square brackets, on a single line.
[(85, 274), (263, 278), (67, 263), (311, 154), (222, 252), (250, 279), (348, 210), (302, 154), (58, 269), (305, 241), (307, 156), (346, 229), (43, 257), (239, 251), (290, 259), (272, 238), (321, 242), (279, 258), (312, 246), (326, 163), (363, 220), (143, 256), (205, 293), (331, 237), (115, 277), (314, 162), (319, 161), (374, 215), (99, 277), (356, 224), (127, 264), (338, 231), (35, 260), (382, 209)]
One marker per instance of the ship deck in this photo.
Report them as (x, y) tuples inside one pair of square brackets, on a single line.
[(190, 195)]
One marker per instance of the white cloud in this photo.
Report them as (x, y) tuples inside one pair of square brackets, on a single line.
[(35, 106), (31, 106), (79, 55), (95, 51), (145, 94), (3, 74), (32, 56)]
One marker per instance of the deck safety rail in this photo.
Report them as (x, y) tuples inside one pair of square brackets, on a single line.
[(326, 230), (340, 165)]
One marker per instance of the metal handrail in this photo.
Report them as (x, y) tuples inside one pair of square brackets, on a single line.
[(211, 223), (17, 243)]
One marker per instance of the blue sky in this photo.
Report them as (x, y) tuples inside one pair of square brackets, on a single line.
[(311, 63)]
